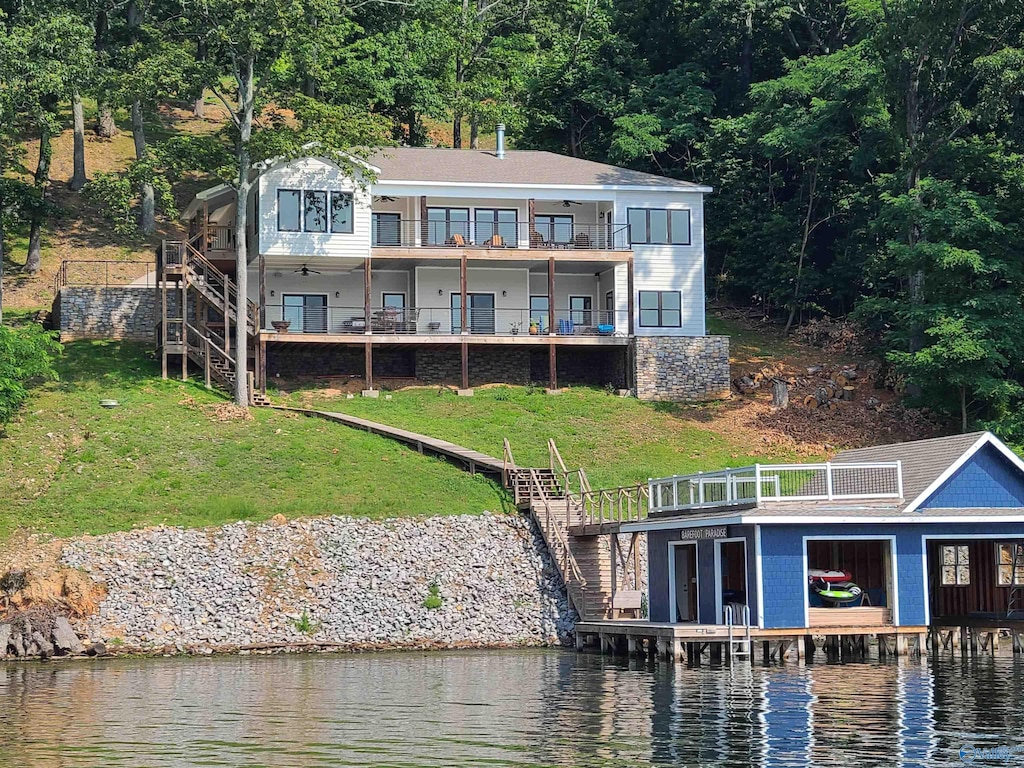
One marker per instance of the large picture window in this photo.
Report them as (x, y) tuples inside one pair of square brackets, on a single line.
[(314, 210), (658, 226), (661, 309), (956, 565), (289, 210), (341, 212), (1010, 569)]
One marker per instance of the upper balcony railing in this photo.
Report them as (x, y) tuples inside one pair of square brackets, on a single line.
[(407, 233), (439, 321), (751, 486)]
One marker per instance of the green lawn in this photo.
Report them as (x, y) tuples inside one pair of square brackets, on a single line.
[(618, 441), (69, 466)]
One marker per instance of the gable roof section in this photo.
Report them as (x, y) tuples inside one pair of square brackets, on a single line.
[(930, 466), (519, 167)]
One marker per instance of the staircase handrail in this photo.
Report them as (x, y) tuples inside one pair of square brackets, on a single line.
[(553, 456), (568, 566), (209, 343), (508, 463), (191, 254), (622, 504)]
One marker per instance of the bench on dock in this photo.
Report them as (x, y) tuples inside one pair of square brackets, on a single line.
[(627, 602)]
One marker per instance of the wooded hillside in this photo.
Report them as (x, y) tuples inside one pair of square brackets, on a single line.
[(866, 153)]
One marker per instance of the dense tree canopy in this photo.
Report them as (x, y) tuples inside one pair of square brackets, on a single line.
[(866, 154)]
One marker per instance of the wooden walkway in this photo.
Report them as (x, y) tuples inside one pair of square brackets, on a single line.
[(474, 461)]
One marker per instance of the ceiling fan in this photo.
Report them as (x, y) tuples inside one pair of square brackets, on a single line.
[(384, 199), (567, 203), (306, 271)]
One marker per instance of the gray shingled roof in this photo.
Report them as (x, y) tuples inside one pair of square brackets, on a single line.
[(923, 460), (518, 167)]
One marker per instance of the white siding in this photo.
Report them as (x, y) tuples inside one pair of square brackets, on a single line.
[(312, 174), (670, 267), (510, 308)]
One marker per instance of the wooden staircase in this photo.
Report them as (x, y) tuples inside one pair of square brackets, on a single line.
[(585, 562), (188, 280)]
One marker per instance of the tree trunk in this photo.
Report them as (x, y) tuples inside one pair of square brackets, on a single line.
[(147, 219), (457, 130), (747, 52), (474, 131), (416, 137), (457, 115), (105, 126), (1, 271), (199, 105), (963, 408), (78, 177), (780, 394), (34, 261), (246, 106), (795, 307)]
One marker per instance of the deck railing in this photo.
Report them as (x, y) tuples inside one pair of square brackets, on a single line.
[(104, 273), (751, 486), (415, 233), (444, 321)]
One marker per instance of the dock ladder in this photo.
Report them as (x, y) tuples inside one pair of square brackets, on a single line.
[(739, 646)]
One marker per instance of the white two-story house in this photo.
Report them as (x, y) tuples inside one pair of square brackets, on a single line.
[(468, 267)]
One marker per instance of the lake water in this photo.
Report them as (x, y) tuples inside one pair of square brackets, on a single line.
[(504, 708)]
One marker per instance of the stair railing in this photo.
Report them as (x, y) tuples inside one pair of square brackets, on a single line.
[(555, 536), (508, 464), (182, 252)]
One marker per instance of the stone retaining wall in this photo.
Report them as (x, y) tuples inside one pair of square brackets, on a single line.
[(331, 580), (129, 313), (487, 365), (680, 368)]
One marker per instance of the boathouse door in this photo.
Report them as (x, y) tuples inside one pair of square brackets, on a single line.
[(683, 580)]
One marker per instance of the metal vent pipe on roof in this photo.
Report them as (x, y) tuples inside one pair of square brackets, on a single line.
[(499, 151)]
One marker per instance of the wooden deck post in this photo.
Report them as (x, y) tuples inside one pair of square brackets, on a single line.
[(581, 641), (531, 215), (424, 235), (463, 284), (263, 295), (551, 296), (184, 330), (367, 294), (552, 368), (901, 645), (263, 365), (631, 646), (464, 348), (162, 287), (369, 365)]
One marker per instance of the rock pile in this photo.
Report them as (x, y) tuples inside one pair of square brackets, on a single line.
[(438, 582), (41, 633)]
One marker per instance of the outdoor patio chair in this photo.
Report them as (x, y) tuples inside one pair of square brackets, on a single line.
[(565, 327), (582, 240), (495, 241), (536, 239), (457, 240)]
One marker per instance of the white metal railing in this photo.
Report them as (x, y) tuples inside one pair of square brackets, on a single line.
[(829, 481)]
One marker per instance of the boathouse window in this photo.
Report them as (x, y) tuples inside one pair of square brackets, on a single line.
[(658, 226), (661, 309), (288, 210), (956, 566), (1011, 569), (315, 211)]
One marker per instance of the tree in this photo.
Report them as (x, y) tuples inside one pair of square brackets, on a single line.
[(26, 355)]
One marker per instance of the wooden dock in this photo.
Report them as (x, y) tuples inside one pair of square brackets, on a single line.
[(691, 642), (473, 461)]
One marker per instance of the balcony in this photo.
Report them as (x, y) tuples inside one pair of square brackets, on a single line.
[(753, 486), (392, 232), (432, 324)]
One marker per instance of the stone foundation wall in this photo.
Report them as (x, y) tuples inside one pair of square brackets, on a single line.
[(680, 368), (128, 313), (356, 582), (490, 365), (291, 360)]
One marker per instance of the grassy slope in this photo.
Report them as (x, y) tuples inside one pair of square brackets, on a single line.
[(619, 441), (68, 466)]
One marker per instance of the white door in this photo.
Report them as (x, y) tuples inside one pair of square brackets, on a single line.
[(684, 577)]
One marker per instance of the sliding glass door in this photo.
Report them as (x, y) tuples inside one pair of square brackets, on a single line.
[(307, 313), (479, 312)]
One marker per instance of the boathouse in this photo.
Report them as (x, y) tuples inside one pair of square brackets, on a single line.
[(893, 539)]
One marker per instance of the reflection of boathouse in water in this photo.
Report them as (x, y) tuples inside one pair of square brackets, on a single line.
[(891, 541)]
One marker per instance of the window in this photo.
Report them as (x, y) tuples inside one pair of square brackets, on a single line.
[(288, 216), (386, 229), (307, 211), (393, 300), (307, 313), (539, 312), (662, 309), (956, 565), (314, 211), (443, 224), (658, 226), (579, 310), (554, 228), (1011, 572), (609, 301), (500, 222), (341, 212)]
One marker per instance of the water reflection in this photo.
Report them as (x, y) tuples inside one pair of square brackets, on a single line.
[(530, 708)]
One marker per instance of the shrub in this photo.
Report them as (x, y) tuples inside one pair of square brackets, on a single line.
[(433, 600), (26, 356)]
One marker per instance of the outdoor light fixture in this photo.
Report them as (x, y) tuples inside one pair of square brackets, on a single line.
[(271, 293), (337, 294), (440, 292), (504, 293)]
